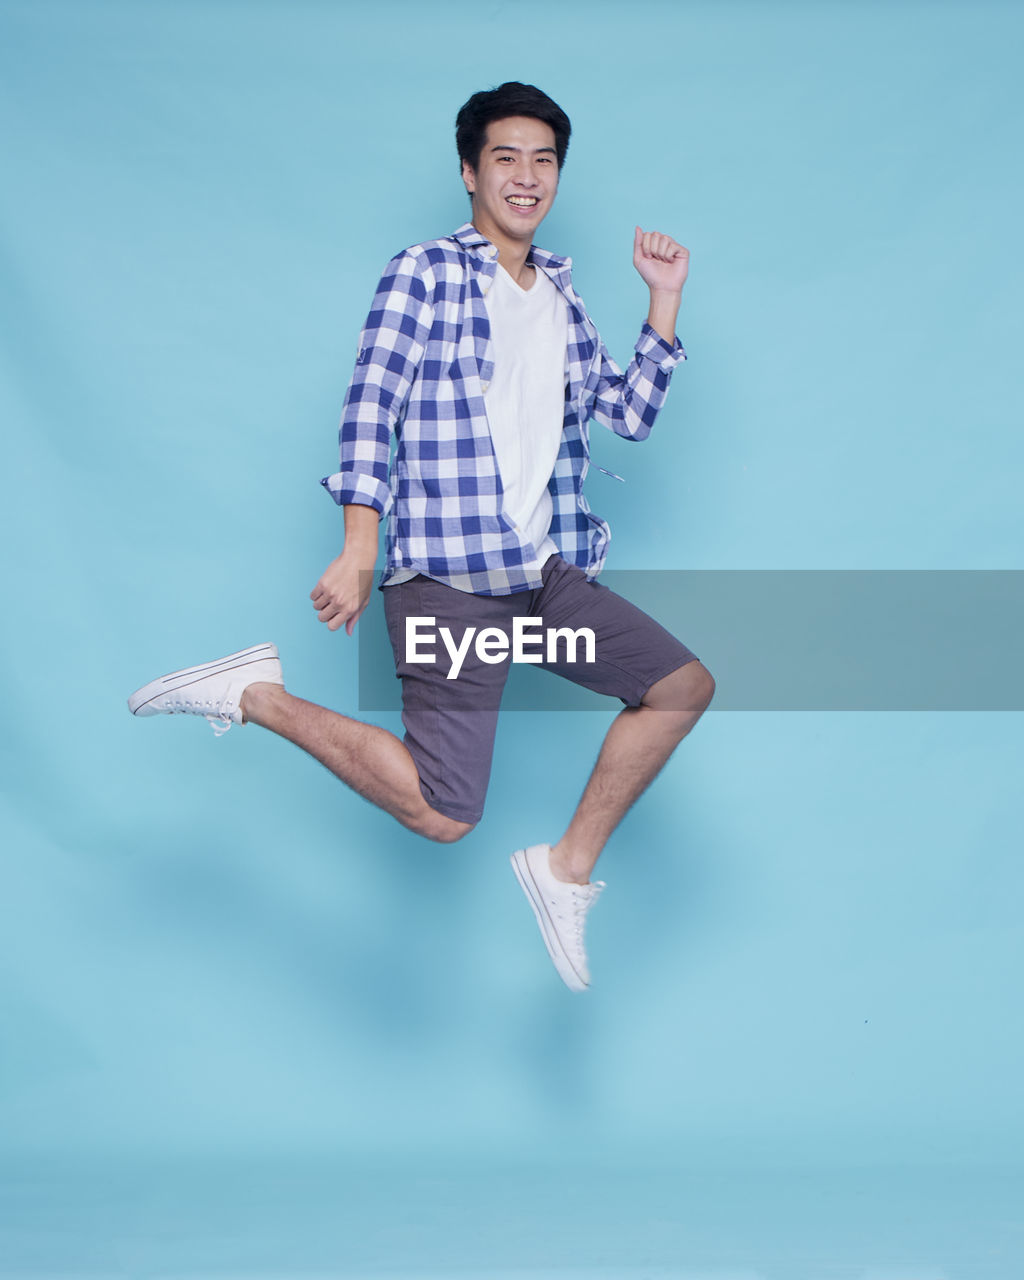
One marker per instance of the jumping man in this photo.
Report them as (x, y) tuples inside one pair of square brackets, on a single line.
[(479, 357)]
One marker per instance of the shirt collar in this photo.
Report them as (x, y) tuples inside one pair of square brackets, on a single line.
[(468, 236)]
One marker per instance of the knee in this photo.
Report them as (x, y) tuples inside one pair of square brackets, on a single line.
[(704, 684), (686, 691), (442, 829)]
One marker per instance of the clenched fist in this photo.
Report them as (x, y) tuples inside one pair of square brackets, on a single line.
[(662, 262)]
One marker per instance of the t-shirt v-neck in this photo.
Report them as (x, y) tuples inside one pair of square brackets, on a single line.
[(515, 283)]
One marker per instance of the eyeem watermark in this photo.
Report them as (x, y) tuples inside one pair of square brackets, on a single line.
[(801, 640), (493, 645)]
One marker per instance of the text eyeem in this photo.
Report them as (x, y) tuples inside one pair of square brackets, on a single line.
[(494, 645)]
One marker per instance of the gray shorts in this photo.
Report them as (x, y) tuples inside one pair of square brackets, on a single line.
[(450, 724)]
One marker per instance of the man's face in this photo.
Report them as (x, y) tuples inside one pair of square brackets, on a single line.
[(516, 179)]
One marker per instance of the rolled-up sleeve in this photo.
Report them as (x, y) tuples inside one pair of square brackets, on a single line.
[(628, 403), (391, 347)]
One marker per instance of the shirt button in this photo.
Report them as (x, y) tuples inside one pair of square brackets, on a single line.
[(485, 385)]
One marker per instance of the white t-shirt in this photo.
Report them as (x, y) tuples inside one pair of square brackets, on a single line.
[(525, 400)]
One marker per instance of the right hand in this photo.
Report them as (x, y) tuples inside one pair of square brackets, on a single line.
[(343, 591)]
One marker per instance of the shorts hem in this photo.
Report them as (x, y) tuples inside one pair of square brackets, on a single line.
[(456, 812), (661, 676)]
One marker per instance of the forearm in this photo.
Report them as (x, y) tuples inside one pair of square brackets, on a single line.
[(361, 531), (344, 588), (663, 312)]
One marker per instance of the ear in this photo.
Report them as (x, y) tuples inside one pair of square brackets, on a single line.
[(468, 176)]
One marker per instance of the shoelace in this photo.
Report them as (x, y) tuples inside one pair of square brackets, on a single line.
[(217, 718), (583, 897)]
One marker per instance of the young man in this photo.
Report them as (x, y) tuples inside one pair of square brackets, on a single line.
[(479, 356)]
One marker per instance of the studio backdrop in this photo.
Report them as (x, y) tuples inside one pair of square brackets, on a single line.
[(809, 945)]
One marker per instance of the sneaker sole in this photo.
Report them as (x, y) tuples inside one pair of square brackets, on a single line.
[(192, 675), (566, 969)]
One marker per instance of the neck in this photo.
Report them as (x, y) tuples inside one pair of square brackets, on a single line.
[(512, 254)]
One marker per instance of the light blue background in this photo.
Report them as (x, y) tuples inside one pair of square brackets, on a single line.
[(808, 954)]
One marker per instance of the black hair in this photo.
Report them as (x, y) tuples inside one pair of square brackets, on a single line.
[(509, 99)]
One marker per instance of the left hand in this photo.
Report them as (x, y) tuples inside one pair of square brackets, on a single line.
[(663, 264)]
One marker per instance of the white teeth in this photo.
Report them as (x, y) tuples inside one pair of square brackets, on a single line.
[(525, 202)]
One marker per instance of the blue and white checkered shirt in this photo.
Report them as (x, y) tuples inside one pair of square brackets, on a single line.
[(424, 362)]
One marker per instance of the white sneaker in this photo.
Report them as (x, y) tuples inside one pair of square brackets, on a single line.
[(561, 909), (213, 690)]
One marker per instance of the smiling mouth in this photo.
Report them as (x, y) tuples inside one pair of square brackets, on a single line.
[(523, 202)]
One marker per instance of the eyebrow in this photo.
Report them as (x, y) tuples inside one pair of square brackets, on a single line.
[(501, 146)]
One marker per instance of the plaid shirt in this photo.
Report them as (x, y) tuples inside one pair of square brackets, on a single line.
[(424, 362)]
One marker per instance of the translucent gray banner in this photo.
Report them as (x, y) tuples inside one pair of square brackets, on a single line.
[(797, 640)]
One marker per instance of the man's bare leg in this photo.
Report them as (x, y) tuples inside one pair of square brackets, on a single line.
[(636, 747), (370, 760)]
